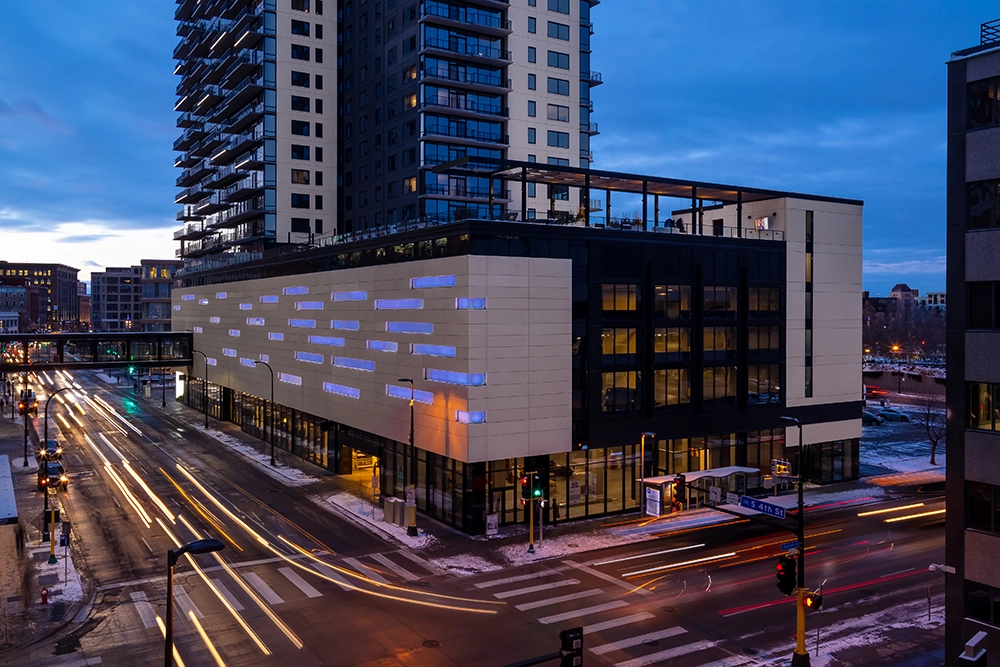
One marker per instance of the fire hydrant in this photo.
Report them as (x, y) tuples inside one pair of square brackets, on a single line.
[(45, 596)]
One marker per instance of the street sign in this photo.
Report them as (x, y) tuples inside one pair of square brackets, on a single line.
[(762, 507), (790, 546), (733, 498), (715, 494)]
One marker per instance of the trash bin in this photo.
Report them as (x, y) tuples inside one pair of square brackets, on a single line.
[(388, 509), (400, 512)]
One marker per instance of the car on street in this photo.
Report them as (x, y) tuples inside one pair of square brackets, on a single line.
[(52, 474), (893, 415), (51, 452), (870, 419)]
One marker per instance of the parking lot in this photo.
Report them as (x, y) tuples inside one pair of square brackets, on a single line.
[(898, 446)]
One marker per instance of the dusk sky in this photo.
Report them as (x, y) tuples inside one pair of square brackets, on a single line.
[(836, 98)]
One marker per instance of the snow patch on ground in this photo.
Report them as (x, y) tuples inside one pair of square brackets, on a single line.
[(465, 565), (290, 476), (69, 588), (364, 515)]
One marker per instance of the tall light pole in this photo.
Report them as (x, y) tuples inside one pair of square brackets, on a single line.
[(197, 547), (800, 658), (264, 363), (47, 401), (411, 492), (163, 385), (204, 382)]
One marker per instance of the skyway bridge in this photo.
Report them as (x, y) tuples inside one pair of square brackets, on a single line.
[(53, 351)]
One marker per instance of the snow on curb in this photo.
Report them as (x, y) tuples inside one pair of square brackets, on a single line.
[(465, 565), (290, 476), (361, 513)]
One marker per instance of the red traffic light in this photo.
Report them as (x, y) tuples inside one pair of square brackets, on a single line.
[(812, 600)]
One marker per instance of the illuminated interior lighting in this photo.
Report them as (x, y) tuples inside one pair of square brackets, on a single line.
[(294, 290), (419, 396), (425, 282), (350, 296), (327, 340)]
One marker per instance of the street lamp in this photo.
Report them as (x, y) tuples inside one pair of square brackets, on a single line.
[(642, 455), (411, 493), (800, 658), (272, 407), (204, 383), (47, 401), (197, 547)]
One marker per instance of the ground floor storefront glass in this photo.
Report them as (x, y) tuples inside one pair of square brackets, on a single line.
[(834, 461), (755, 449)]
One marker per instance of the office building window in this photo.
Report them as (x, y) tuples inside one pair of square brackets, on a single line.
[(300, 28), (621, 391), (300, 128), (671, 387), (300, 79), (672, 344), (673, 302), (558, 31), (531, 108), (300, 52), (300, 225), (558, 86), (561, 6), (300, 200), (618, 346), (300, 5), (719, 343), (531, 135), (720, 302), (558, 60), (558, 139), (763, 384), (719, 385), (532, 54), (558, 112), (532, 25), (300, 103), (620, 301), (300, 152), (300, 176), (532, 82)]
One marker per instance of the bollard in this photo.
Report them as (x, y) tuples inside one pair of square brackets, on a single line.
[(45, 596)]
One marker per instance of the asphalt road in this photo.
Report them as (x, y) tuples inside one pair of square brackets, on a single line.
[(296, 585)]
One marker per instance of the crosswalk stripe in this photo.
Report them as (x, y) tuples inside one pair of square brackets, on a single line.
[(616, 622), (521, 577), (328, 571), (732, 661), (637, 640), (668, 654), (534, 589), (185, 603), (226, 593), (144, 609), (395, 567), (430, 567), (576, 613), (265, 591), (358, 566), (607, 577), (557, 600), (299, 582)]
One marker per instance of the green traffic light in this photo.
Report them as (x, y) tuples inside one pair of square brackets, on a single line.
[(538, 492)]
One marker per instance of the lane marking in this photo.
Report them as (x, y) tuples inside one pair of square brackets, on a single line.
[(364, 570), (558, 600), (670, 653), (617, 622), (395, 567), (265, 591), (638, 640), (522, 577), (226, 593), (328, 571), (299, 582), (608, 578), (430, 567), (534, 589), (893, 574), (565, 616), (185, 603), (144, 609)]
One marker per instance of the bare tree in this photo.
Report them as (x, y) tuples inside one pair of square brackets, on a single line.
[(932, 420)]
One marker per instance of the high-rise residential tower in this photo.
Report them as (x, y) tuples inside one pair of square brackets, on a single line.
[(973, 231), (433, 82), (258, 144)]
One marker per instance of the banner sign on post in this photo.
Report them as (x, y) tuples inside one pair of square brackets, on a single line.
[(653, 501)]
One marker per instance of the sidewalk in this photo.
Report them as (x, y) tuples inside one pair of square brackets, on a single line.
[(24, 573), (448, 549)]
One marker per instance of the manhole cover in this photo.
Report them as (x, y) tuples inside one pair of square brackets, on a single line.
[(669, 610), (651, 643), (751, 651), (431, 643)]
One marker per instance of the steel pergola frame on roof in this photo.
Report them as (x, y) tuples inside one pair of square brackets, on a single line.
[(697, 192)]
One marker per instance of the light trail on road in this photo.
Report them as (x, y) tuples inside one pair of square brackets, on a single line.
[(891, 509), (683, 564), (896, 519)]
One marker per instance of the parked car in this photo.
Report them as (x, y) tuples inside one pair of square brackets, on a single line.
[(870, 419), (893, 415), (51, 452), (51, 474)]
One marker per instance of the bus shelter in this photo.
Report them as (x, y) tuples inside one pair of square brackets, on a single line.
[(663, 495)]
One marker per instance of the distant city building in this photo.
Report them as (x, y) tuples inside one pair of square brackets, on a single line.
[(156, 283), (972, 526), (60, 284), (19, 295), (10, 322), (932, 301), (903, 292), (115, 299)]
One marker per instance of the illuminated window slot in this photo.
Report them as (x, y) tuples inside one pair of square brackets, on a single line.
[(433, 350), (341, 390), (354, 364), (327, 340), (477, 417), (410, 327), (295, 290), (248, 362), (454, 377), (475, 303), (395, 391), (310, 357), (187, 297), (271, 298), (214, 320), (288, 378), (255, 321), (399, 304), (302, 324), (246, 306), (235, 333), (308, 305), (221, 295), (228, 352), (202, 302), (198, 329), (350, 296), (345, 325), (383, 345), (425, 282), (273, 335)]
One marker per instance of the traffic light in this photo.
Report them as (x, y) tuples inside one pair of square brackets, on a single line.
[(786, 574), (525, 489), (131, 370), (536, 486), (571, 647), (812, 600)]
